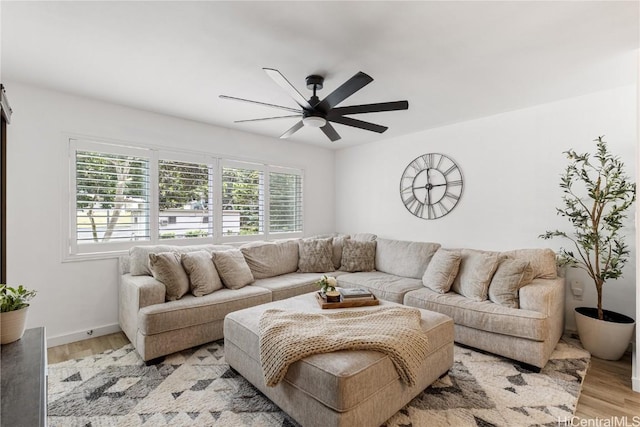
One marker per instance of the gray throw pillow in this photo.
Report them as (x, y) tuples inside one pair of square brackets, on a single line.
[(315, 255), (358, 256), (442, 270), (203, 276), (232, 268), (511, 275), (166, 268)]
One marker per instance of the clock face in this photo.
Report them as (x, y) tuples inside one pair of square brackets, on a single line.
[(431, 186)]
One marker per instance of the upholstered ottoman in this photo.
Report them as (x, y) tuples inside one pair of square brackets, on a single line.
[(343, 388)]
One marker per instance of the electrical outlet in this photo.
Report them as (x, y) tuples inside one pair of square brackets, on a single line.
[(577, 289), (90, 332)]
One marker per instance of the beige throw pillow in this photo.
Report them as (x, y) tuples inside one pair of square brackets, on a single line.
[(338, 244), (543, 261), (476, 271), (315, 255), (232, 268), (166, 268), (442, 270), (511, 275), (269, 259), (203, 276), (358, 256)]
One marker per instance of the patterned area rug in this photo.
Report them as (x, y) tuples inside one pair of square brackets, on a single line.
[(197, 388)]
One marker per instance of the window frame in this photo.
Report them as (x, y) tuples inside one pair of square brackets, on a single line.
[(72, 251)]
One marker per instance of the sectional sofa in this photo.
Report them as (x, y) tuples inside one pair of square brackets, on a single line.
[(509, 303)]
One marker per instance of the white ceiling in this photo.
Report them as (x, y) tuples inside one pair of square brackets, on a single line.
[(453, 61)]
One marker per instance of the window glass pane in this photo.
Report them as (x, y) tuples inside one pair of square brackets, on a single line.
[(184, 205), (242, 201), (285, 203), (112, 197)]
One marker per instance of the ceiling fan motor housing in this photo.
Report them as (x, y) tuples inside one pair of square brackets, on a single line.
[(314, 82)]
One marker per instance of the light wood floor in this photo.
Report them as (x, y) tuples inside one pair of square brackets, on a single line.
[(606, 392)]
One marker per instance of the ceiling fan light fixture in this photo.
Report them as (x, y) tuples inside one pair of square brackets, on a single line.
[(314, 121)]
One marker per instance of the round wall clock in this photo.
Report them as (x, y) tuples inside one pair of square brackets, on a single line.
[(431, 186)]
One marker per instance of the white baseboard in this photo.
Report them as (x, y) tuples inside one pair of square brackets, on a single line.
[(83, 335)]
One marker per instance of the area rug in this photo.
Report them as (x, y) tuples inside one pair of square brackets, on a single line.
[(197, 388)]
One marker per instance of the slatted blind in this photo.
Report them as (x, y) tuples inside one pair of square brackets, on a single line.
[(184, 205), (112, 197), (285, 202), (242, 201)]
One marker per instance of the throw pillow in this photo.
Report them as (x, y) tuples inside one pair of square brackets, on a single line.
[(442, 270), (166, 268), (358, 256), (476, 271), (543, 261), (511, 275), (203, 276), (269, 259), (233, 269), (315, 255)]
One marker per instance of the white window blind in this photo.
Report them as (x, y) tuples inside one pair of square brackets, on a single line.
[(184, 202), (112, 197), (285, 202), (242, 201)]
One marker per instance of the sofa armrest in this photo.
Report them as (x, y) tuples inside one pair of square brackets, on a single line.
[(543, 295), (135, 293)]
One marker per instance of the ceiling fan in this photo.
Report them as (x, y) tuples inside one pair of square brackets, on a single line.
[(316, 113)]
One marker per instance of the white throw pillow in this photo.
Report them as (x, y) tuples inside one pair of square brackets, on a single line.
[(476, 271)]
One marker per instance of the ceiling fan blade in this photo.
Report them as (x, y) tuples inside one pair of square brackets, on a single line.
[(292, 130), (281, 81), (267, 118), (330, 131), (347, 89), (233, 98), (358, 124), (369, 108)]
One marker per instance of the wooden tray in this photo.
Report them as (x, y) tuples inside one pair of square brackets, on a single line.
[(346, 303)]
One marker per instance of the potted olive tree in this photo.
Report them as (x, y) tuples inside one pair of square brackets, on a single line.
[(597, 197), (13, 312)]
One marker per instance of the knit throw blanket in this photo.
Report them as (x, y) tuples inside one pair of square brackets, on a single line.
[(288, 336)]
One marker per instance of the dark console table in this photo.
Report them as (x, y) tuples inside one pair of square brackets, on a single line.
[(24, 381)]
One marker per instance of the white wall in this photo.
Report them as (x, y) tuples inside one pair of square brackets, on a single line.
[(511, 164), (75, 297)]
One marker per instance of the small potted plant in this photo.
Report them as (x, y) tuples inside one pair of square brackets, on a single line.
[(328, 288), (13, 312), (597, 197)]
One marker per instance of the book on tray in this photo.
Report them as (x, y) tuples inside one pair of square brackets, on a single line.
[(355, 293)]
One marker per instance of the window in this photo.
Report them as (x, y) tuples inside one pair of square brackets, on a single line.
[(242, 201), (121, 196), (285, 202), (112, 197), (184, 204)]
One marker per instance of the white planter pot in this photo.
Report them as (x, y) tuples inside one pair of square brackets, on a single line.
[(604, 339), (12, 325)]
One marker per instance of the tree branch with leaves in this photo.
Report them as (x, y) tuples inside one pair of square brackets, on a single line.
[(597, 197)]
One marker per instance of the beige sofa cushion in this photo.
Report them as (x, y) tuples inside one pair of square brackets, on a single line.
[(364, 237), (404, 258), (476, 271), (315, 255), (485, 315), (358, 255), (383, 285), (511, 275), (166, 268), (203, 276), (442, 270), (269, 259), (232, 268), (139, 255), (543, 261)]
